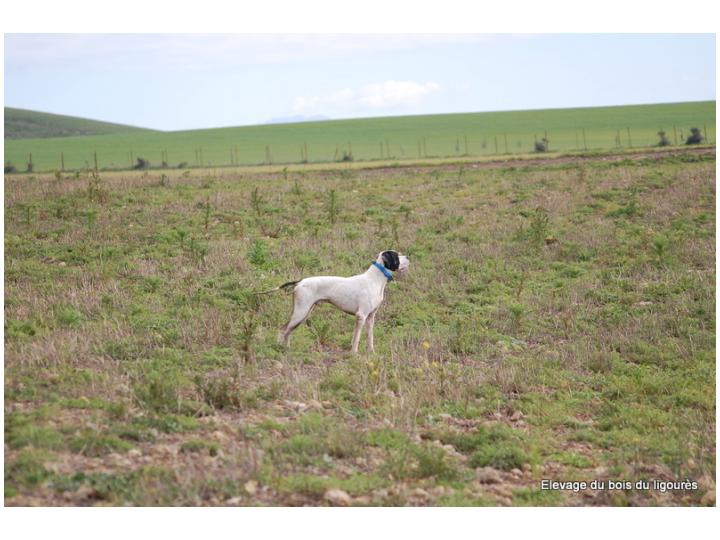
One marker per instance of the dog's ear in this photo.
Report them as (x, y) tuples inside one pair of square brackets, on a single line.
[(391, 260)]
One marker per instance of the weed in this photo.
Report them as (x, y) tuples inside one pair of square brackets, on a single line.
[(256, 201), (96, 191), (257, 254), (332, 206)]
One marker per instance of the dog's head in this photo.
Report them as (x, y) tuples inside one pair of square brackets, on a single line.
[(394, 261)]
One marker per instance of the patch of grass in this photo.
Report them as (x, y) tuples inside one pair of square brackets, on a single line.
[(27, 470), (68, 316), (91, 443), (459, 499), (147, 486), (355, 485), (159, 383), (315, 438), (406, 460), (536, 497), (480, 438), (168, 423), (18, 329), (197, 445), (43, 437), (505, 457)]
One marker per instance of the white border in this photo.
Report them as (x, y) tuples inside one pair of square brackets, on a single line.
[(367, 16)]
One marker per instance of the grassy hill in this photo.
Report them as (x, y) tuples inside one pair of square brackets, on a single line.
[(24, 124), (406, 137)]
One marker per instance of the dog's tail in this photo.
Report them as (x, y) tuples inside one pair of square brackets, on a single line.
[(283, 286)]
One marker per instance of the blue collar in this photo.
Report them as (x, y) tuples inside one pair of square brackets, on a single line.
[(387, 273)]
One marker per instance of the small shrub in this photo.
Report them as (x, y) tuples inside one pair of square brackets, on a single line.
[(141, 164), (158, 388), (332, 206), (695, 136), (68, 316), (220, 393), (321, 329), (96, 191), (539, 221), (664, 141), (660, 246), (542, 145), (9, 168), (249, 305), (257, 254), (256, 201)]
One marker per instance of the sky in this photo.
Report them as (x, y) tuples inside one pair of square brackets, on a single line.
[(192, 81)]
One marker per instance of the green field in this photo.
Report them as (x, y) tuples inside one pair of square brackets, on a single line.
[(558, 322), (24, 124), (398, 138)]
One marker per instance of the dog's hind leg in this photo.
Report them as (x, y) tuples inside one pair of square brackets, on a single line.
[(302, 307)]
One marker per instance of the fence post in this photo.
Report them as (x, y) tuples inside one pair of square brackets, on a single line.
[(496, 146), (584, 141), (675, 134), (629, 138), (62, 162), (95, 159)]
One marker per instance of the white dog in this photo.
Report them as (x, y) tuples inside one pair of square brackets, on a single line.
[(359, 295)]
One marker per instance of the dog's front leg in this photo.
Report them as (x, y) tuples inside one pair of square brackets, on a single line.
[(370, 324), (359, 323)]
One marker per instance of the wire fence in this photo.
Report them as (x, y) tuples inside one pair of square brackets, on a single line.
[(302, 152)]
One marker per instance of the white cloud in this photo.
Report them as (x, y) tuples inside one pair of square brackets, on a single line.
[(370, 96)]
